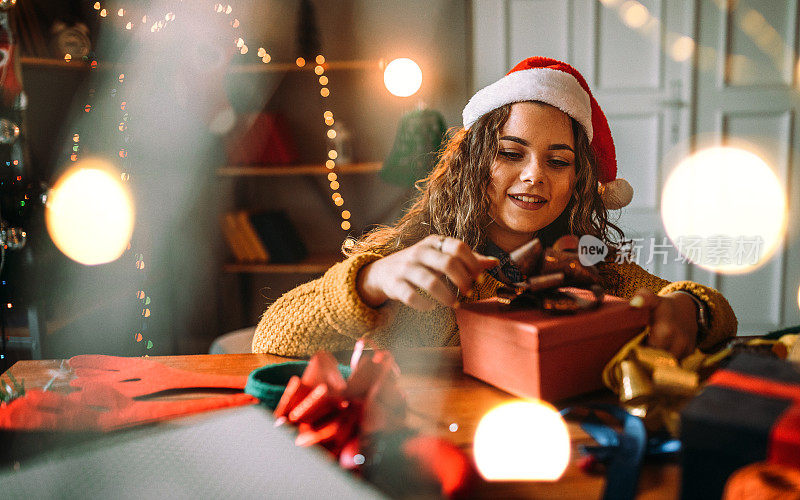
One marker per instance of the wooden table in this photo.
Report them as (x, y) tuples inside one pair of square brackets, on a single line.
[(439, 394)]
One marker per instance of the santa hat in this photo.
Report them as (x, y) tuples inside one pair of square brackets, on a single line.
[(560, 85)]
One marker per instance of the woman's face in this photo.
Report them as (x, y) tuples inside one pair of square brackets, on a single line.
[(533, 176)]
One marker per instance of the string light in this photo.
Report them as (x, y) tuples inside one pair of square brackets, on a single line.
[(67, 57), (103, 13), (300, 62), (319, 70), (320, 59), (324, 92)]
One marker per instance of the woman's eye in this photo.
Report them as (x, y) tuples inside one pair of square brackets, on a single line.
[(560, 163), (510, 155)]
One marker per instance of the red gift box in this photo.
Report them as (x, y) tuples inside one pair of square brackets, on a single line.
[(531, 353)]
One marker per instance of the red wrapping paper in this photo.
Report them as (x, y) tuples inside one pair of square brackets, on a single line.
[(107, 398)]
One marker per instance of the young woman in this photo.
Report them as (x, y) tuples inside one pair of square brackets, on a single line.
[(535, 159)]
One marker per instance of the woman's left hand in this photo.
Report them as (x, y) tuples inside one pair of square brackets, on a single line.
[(673, 321)]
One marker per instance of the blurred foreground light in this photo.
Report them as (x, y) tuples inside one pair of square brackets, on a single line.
[(402, 77), (90, 214), (522, 440), (724, 209)]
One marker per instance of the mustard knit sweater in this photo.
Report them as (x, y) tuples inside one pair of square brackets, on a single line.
[(328, 313)]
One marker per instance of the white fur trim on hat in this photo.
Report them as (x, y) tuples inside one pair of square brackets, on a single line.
[(554, 87)]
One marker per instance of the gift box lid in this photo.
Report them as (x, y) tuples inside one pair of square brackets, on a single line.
[(537, 329)]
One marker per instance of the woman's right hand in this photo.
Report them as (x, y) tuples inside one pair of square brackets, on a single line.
[(423, 267)]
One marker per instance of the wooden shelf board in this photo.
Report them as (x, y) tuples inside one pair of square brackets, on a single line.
[(315, 264), (47, 62), (78, 64), (287, 170), (271, 67)]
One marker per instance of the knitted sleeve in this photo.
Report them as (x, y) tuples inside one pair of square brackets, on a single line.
[(622, 280), (326, 313)]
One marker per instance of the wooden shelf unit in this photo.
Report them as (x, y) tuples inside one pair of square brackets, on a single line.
[(315, 264), (290, 170)]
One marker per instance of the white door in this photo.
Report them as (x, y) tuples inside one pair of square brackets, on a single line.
[(636, 57), (747, 89)]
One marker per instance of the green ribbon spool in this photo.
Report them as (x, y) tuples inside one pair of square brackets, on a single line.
[(268, 382)]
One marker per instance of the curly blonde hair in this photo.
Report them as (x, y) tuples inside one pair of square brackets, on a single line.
[(454, 199)]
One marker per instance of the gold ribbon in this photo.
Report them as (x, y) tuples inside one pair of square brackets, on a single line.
[(654, 385)]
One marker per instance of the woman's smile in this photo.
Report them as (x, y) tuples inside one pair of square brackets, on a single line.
[(528, 202)]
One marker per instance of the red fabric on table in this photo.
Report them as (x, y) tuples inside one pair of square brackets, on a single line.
[(784, 439), (108, 392)]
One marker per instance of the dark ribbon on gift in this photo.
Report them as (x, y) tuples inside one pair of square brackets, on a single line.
[(784, 439), (624, 451), (545, 272)]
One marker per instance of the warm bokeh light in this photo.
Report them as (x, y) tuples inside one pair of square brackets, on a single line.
[(634, 14), (724, 209), (522, 440), (402, 77), (682, 49), (90, 214)]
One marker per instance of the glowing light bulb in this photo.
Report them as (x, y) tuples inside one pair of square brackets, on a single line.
[(332, 176), (332, 154), (129, 25), (402, 77), (330, 164), (319, 69), (97, 6), (334, 184), (67, 57), (320, 59), (522, 440), (267, 58), (261, 52), (338, 201), (103, 13), (733, 235), (300, 62), (331, 134), (121, 12), (90, 214), (323, 80), (324, 92), (345, 225), (345, 214)]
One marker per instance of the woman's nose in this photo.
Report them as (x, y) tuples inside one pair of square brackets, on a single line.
[(532, 172)]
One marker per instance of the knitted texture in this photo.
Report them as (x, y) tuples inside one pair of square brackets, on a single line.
[(328, 313)]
